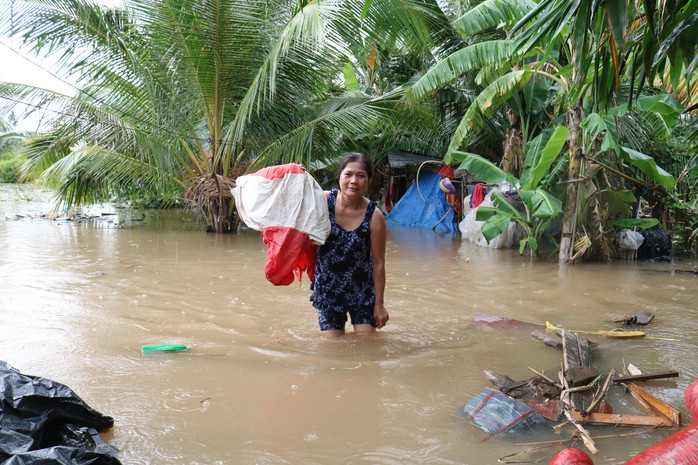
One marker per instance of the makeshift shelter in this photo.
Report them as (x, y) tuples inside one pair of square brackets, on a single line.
[(424, 205), (401, 174)]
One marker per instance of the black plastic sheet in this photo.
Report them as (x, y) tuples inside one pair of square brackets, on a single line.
[(43, 422), (657, 245)]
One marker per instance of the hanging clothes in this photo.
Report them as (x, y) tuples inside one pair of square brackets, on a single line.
[(478, 195), (447, 172)]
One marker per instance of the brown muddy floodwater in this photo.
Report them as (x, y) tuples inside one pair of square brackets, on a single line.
[(261, 386)]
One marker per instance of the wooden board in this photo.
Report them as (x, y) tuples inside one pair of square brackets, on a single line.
[(547, 340), (619, 419), (657, 406), (576, 350), (576, 363), (647, 376)]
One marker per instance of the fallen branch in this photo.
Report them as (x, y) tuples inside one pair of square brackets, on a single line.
[(546, 378), (604, 436), (599, 397)]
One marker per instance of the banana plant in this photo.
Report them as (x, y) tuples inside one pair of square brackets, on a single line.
[(538, 206), (616, 166)]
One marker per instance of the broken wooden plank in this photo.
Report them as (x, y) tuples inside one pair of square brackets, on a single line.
[(576, 363), (507, 385), (647, 376), (583, 433), (641, 317), (576, 353), (576, 350), (619, 419), (500, 381), (547, 340), (657, 406), (600, 395)]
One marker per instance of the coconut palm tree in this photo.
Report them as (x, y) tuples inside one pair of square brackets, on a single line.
[(191, 93)]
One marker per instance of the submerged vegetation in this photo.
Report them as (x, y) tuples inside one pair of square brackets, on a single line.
[(587, 108)]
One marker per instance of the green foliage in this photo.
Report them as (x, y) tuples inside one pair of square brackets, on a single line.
[(11, 160), (480, 167), (172, 198), (538, 206), (540, 164), (10, 168), (649, 167), (642, 223)]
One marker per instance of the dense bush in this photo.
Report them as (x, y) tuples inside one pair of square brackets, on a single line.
[(10, 168)]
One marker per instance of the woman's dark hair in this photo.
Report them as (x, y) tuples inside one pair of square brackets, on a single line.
[(351, 157)]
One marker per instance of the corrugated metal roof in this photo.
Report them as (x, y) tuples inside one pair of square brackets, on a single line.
[(400, 159)]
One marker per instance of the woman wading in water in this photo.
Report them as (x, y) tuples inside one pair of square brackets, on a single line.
[(350, 266)]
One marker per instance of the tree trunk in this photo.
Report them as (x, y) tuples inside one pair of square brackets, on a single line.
[(569, 223), (512, 160)]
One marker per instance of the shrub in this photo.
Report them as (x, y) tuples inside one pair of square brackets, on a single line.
[(10, 168)]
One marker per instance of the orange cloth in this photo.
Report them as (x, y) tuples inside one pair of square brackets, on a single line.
[(452, 200)]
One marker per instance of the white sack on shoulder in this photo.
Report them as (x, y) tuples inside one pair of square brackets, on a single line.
[(291, 199)]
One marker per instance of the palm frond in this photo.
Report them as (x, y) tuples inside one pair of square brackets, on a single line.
[(492, 14), (470, 58), (490, 98)]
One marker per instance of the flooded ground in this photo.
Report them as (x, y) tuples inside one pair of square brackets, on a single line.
[(260, 385)]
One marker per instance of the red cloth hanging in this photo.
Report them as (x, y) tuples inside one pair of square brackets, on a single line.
[(447, 172), (478, 195)]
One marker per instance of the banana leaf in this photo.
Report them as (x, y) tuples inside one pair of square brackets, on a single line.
[(480, 167), (496, 221), (540, 203), (531, 178), (642, 223), (649, 167)]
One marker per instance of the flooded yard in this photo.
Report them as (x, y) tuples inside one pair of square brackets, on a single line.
[(260, 385)]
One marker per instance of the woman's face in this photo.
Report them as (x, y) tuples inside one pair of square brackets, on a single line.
[(353, 180)]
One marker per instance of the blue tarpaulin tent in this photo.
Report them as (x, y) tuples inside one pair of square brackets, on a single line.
[(412, 210)]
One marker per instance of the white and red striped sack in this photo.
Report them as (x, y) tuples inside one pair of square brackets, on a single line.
[(289, 207)]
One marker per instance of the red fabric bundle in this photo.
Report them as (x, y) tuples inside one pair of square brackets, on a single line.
[(290, 209), (447, 172), (289, 253)]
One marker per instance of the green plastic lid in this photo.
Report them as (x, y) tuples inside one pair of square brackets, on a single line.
[(161, 348)]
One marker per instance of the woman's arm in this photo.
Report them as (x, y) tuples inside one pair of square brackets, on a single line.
[(378, 238)]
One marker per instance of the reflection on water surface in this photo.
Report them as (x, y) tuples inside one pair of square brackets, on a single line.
[(261, 386)]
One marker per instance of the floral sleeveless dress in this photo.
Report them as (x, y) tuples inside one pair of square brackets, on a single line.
[(344, 266)]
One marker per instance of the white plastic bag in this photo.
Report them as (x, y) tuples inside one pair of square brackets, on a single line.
[(630, 240), (470, 228)]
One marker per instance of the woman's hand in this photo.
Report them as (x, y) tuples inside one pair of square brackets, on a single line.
[(380, 314)]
